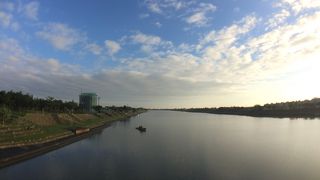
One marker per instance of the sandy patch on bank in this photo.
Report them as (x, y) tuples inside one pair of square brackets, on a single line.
[(42, 119), (84, 117), (63, 117)]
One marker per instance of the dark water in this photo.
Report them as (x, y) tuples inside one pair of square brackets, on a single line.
[(180, 145)]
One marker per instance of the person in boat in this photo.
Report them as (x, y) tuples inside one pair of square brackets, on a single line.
[(140, 128)]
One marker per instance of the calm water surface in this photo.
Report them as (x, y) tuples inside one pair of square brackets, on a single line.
[(181, 145)]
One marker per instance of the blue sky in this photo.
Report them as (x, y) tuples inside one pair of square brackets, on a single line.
[(165, 53)]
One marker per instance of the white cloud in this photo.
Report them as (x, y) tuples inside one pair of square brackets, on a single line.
[(158, 24), (14, 57), (147, 49), (31, 74), (10, 47), (191, 12), (150, 43), (61, 36), (143, 16), (297, 6), (229, 60), (175, 4), (54, 64), (184, 47), (265, 58), (50, 77), (199, 15), (228, 35), (9, 12), (278, 18), (5, 19), (30, 10), (94, 48), (197, 18), (154, 7), (146, 39), (112, 46), (166, 6)]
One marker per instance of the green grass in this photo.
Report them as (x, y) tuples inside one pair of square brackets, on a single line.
[(90, 123), (34, 133), (56, 129)]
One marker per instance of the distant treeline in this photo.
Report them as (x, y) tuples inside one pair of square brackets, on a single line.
[(18, 101), (307, 108), (118, 109), (15, 104)]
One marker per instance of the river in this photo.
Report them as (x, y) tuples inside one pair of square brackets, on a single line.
[(182, 145)]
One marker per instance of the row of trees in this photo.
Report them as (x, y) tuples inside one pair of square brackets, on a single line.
[(307, 108), (18, 101), (5, 113), (118, 109), (14, 103)]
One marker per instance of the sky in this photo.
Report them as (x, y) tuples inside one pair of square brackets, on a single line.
[(162, 53)]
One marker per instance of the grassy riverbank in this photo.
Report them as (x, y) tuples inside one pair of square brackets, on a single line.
[(26, 120), (26, 138), (37, 128)]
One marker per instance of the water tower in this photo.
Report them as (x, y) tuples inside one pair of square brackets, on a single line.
[(87, 101)]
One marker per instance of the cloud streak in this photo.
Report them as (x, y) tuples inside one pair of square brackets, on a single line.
[(61, 36), (112, 46), (199, 15), (191, 12), (30, 10)]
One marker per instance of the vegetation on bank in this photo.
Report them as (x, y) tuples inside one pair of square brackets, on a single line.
[(305, 109), (26, 120), (18, 101)]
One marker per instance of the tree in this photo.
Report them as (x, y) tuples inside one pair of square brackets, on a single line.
[(97, 108), (5, 113)]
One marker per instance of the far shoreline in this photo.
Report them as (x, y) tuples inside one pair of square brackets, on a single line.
[(257, 115)]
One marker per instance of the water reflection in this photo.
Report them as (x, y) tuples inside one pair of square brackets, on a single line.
[(181, 145), (124, 122)]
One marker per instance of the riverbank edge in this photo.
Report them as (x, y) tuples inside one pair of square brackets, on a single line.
[(56, 144), (262, 115)]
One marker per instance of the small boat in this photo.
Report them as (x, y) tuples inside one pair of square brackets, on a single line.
[(81, 131), (141, 129)]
